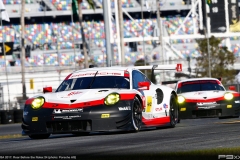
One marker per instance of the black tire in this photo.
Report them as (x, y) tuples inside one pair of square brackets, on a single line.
[(173, 111), (136, 115), (39, 136)]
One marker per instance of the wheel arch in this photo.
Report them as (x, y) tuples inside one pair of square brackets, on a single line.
[(139, 98), (174, 93)]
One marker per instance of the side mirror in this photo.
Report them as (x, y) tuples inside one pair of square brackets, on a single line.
[(143, 85), (232, 88), (47, 89)]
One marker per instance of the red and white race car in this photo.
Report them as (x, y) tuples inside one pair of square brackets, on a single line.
[(206, 97), (101, 99)]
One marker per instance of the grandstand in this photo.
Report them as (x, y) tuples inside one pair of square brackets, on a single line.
[(50, 34), (55, 39)]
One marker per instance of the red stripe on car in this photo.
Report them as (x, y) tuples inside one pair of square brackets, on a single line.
[(210, 99), (74, 105), (85, 104), (156, 121), (236, 94), (29, 101), (126, 96)]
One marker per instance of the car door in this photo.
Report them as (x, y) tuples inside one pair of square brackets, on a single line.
[(147, 94)]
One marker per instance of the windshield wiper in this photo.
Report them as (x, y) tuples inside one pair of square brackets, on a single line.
[(90, 84)]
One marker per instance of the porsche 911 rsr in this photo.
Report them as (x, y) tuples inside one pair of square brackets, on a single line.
[(101, 99), (206, 97)]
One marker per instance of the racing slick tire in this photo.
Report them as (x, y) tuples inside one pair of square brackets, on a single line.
[(136, 115), (39, 136), (173, 111)]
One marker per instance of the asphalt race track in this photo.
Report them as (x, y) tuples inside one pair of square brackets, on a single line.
[(188, 135)]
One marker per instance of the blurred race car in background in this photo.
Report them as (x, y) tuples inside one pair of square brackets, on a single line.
[(101, 99), (206, 97)]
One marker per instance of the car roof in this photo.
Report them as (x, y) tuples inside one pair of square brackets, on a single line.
[(196, 79), (103, 68), (130, 68)]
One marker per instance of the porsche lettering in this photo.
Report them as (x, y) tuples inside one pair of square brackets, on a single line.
[(92, 74), (74, 93), (67, 117), (206, 103), (206, 107)]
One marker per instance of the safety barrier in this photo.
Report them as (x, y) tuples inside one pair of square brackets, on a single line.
[(11, 116)]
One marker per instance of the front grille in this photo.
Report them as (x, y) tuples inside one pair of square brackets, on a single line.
[(69, 126), (207, 113)]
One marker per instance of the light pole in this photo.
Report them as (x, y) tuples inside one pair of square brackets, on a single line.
[(23, 50), (208, 47), (160, 37)]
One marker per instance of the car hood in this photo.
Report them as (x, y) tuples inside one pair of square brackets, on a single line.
[(76, 96), (203, 95)]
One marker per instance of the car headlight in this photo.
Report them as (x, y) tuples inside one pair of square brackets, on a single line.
[(228, 96), (112, 99), (181, 99), (37, 103)]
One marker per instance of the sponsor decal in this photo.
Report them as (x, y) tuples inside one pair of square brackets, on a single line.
[(165, 106), (74, 93), (158, 109), (92, 74), (127, 108), (57, 111), (67, 117), (105, 115), (183, 109), (198, 93), (34, 119), (229, 106), (237, 101), (206, 107), (206, 103), (149, 104)]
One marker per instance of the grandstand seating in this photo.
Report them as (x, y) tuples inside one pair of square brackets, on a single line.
[(62, 36), (17, 1), (44, 34)]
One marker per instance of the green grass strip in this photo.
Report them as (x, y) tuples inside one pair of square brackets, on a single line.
[(10, 136)]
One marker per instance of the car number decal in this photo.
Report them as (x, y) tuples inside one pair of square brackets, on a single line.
[(149, 104), (34, 119), (105, 115)]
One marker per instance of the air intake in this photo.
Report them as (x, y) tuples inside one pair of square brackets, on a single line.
[(73, 100)]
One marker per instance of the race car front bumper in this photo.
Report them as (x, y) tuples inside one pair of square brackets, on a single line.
[(86, 119), (219, 109)]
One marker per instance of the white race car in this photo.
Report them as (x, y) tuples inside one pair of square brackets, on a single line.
[(206, 97), (101, 99)]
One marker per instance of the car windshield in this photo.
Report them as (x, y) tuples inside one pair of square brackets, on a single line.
[(200, 85), (97, 82)]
